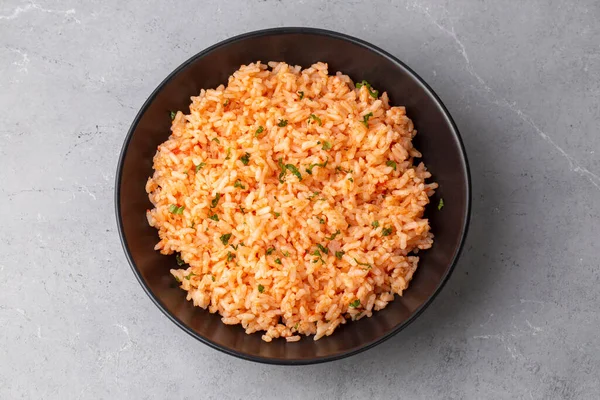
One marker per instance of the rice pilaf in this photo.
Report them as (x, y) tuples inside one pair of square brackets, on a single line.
[(292, 199)]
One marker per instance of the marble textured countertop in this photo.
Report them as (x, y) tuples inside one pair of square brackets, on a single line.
[(519, 318)]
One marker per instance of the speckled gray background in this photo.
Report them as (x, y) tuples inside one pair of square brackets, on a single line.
[(518, 320)]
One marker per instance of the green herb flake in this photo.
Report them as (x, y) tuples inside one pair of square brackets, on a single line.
[(282, 123), (285, 253), (355, 303), (312, 196), (387, 231), (177, 279), (311, 166), (173, 114), (327, 146), (214, 217), (238, 184), (193, 225), (245, 159), (296, 326), (180, 262), (373, 93), (301, 95), (351, 179), (333, 235), (174, 209), (200, 166), (339, 254), (242, 210), (216, 140), (441, 204), (228, 153), (212, 277), (315, 118), (375, 224), (215, 201), (259, 131), (276, 214), (365, 120), (363, 264), (391, 163), (340, 169), (261, 288), (230, 256), (270, 250), (292, 168), (190, 275), (226, 103), (323, 248), (321, 221), (225, 238), (278, 261)]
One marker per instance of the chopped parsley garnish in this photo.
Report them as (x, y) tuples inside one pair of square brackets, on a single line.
[(177, 279), (226, 103), (216, 140), (333, 235), (276, 214), (228, 153), (238, 184), (441, 204), (259, 131), (318, 254), (190, 275), (365, 120), (345, 171), (288, 167), (387, 231), (176, 209), (215, 201), (312, 196), (200, 166), (245, 159), (270, 250), (212, 277), (193, 225), (180, 262), (375, 224), (214, 217), (351, 179), (282, 123), (373, 93), (322, 248), (315, 118), (173, 114), (301, 95), (321, 221), (235, 246), (339, 254), (242, 210), (391, 163), (278, 261), (311, 166), (285, 253), (261, 288), (230, 256), (355, 303), (225, 238), (363, 264), (327, 146)]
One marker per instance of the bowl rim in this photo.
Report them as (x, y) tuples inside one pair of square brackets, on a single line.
[(285, 31)]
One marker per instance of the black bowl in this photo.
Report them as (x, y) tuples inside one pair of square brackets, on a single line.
[(438, 140)]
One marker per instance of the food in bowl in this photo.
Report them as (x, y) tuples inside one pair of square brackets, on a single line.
[(292, 200)]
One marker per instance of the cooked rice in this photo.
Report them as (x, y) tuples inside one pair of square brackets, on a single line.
[(363, 203)]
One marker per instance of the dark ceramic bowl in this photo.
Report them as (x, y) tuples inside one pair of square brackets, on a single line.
[(438, 140)]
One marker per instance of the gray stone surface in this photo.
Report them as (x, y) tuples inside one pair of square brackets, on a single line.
[(518, 320)]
